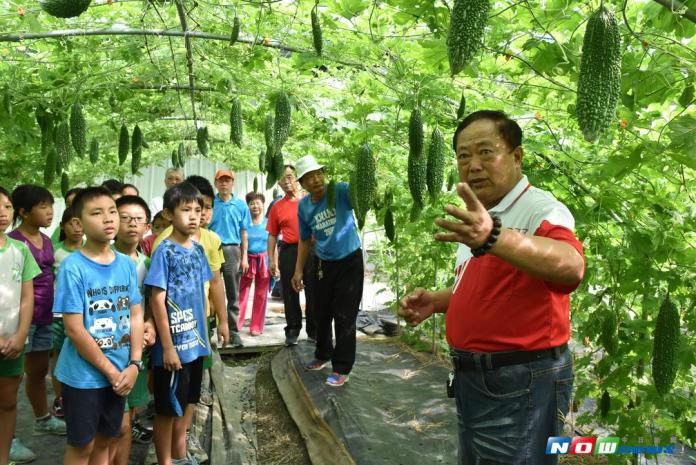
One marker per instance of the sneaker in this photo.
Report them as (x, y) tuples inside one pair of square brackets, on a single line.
[(316, 365), (336, 379), (49, 425), (19, 453), (195, 450), (57, 409), (189, 460), (290, 341), (236, 341), (206, 396), (141, 434)]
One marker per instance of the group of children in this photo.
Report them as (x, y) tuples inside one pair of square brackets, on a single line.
[(102, 308), (100, 305)]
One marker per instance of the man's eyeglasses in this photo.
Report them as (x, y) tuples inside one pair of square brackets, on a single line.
[(138, 219)]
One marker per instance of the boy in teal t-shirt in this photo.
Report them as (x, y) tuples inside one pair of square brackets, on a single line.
[(18, 268), (97, 293)]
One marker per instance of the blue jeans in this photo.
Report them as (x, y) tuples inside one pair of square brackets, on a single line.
[(507, 414)]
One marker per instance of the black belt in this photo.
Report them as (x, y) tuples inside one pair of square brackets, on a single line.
[(230, 245), (285, 245), (467, 361)]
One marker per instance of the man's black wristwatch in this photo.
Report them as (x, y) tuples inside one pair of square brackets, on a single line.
[(137, 363)]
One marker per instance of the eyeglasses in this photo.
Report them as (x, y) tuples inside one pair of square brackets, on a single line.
[(138, 219)]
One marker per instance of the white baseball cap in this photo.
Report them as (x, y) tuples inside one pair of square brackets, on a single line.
[(306, 164)]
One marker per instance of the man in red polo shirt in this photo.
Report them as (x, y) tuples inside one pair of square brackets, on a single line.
[(282, 220), (508, 312)]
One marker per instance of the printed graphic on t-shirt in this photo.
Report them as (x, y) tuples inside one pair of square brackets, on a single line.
[(108, 316), (325, 221), (181, 322)]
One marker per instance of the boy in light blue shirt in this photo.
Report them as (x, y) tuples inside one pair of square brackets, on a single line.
[(97, 293)]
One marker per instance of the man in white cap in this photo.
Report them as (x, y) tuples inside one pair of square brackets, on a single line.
[(340, 271)]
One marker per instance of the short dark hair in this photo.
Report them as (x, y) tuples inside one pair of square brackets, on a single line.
[(202, 184), (113, 185), (286, 166), (134, 200), (158, 216), (182, 193), (4, 192), (72, 191), (87, 194), (123, 187), (68, 214), (255, 195), (508, 128), (27, 196)]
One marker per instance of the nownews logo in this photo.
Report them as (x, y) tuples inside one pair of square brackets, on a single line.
[(558, 445)]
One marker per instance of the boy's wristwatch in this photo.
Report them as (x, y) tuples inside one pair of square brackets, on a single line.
[(137, 363)]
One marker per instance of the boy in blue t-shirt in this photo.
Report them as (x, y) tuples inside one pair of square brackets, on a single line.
[(97, 293), (340, 269), (178, 273)]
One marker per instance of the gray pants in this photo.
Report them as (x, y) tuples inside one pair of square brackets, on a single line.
[(232, 276)]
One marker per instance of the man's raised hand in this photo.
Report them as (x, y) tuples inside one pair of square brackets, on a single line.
[(475, 223)]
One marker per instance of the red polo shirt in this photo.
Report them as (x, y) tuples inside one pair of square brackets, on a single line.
[(283, 219), (496, 307)]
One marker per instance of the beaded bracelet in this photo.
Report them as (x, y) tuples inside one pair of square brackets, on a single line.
[(495, 232)]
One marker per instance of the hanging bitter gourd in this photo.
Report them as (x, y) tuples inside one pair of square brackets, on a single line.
[(317, 38), (78, 130), (202, 140), (62, 142), (50, 168), (94, 150), (64, 8), (64, 184), (665, 347), (416, 162), (461, 108), (331, 195), (467, 24), (389, 225), (435, 169), (281, 126), (123, 144), (366, 177), (236, 26), (604, 404), (599, 81), (136, 148), (236, 124)]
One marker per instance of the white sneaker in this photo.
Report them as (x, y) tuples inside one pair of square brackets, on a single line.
[(19, 453), (50, 425), (195, 449)]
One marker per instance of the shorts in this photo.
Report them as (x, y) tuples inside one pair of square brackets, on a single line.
[(139, 395), (11, 367), (58, 328), (91, 411), (176, 389), (40, 338)]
